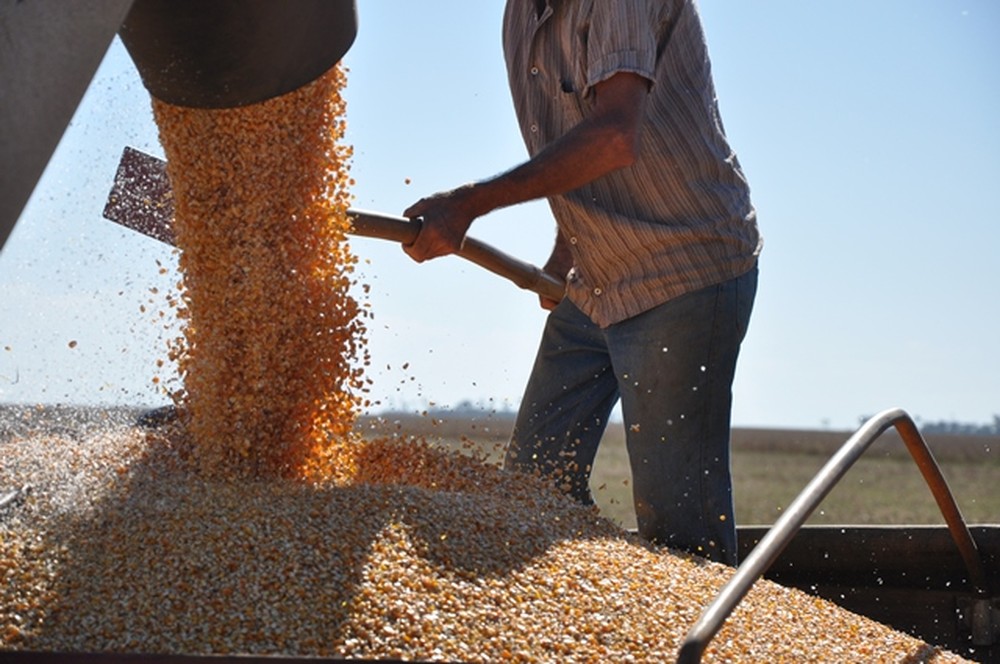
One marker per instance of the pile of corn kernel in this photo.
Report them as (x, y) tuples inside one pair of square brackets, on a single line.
[(273, 347), (122, 545), (261, 523)]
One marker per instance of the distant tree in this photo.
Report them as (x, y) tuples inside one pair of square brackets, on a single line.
[(963, 428), (953, 427)]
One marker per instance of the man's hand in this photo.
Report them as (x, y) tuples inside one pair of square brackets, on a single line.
[(445, 219)]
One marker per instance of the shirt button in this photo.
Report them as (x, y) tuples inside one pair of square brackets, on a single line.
[(534, 71), (597, 291)]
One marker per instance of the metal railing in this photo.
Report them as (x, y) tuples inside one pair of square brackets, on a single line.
[(785, 528)]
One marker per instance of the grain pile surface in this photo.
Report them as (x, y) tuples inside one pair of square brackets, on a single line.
[(273, 338), (124, 545)]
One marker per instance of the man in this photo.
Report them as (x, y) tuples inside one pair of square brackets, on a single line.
[(658, 241)]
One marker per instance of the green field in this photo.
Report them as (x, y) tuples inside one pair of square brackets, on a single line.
[(770, 467)]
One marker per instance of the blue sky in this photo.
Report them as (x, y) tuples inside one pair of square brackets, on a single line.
[(869, 132)]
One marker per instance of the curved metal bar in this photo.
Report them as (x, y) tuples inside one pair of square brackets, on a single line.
[(959, 530), (785, 528)]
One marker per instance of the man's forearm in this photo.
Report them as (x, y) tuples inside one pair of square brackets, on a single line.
[(600, 144), (604, 142), (589, 151)]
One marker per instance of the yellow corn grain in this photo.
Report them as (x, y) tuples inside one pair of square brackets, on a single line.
[(272, 333)]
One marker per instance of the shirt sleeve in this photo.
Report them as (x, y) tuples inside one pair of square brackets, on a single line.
[(622, 37)]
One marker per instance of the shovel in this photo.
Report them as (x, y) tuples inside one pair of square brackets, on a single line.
[(141, 199)]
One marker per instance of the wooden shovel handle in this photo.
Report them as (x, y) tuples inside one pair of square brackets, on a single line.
[(141, 199), (405, 231)]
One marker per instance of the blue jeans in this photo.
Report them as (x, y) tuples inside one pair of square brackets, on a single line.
[(672, 367)]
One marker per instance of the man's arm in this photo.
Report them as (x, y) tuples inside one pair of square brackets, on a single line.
[(600, 144)]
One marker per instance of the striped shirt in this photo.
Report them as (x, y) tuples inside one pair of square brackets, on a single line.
[(678, 219)]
